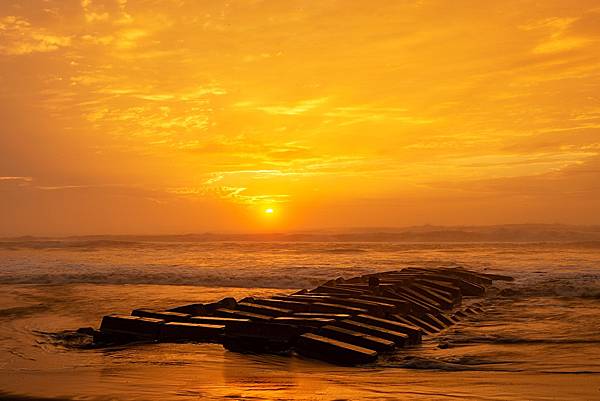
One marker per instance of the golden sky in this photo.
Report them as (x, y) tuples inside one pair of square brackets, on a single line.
[(131, 116)]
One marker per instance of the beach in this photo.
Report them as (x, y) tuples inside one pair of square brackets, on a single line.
[(537, 339)]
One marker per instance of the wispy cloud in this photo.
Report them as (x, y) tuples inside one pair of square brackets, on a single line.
[(18, 37)]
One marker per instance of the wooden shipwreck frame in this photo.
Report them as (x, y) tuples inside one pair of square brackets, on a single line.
[(344, 321)]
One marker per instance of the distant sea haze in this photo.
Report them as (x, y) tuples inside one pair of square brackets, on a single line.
[(426, 233)]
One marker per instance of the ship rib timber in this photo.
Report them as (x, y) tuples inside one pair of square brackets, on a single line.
[(343, 321)]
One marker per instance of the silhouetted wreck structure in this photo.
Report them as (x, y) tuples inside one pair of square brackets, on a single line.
[(345, 322)]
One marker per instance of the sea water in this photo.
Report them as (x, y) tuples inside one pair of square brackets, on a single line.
[(538, 339)]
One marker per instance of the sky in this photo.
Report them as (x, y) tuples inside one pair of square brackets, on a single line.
[(148, 116)]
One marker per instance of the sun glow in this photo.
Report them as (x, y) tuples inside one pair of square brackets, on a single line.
[(295, 125)]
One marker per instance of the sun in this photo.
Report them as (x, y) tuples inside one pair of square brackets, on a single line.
[(269, 211)]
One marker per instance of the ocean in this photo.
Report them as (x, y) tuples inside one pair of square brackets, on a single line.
[(538, 339)]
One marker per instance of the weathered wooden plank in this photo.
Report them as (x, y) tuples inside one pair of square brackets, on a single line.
[(167, 316), (303, 321), (294, 306), (241, 314), (179, 331), (335, 316), (357, 338), (332, 350), (225, 321), (142, 328), (335, 308), (400, 339), (413, 332), (263, 309)]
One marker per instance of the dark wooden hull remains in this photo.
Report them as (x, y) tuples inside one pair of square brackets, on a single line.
[(346, 322)]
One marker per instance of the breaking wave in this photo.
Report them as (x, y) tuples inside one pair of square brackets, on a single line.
[(168, 278), (448, 364)]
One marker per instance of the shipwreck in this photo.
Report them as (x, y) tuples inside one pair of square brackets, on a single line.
[(343, 321)]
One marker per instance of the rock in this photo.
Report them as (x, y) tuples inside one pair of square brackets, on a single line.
[(335, 351)]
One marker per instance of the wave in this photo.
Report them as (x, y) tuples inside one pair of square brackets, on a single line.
[(581, 285), (22, 311), (450, 364), (175, 278), (506, 340), (59, 244), (70, 339)]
